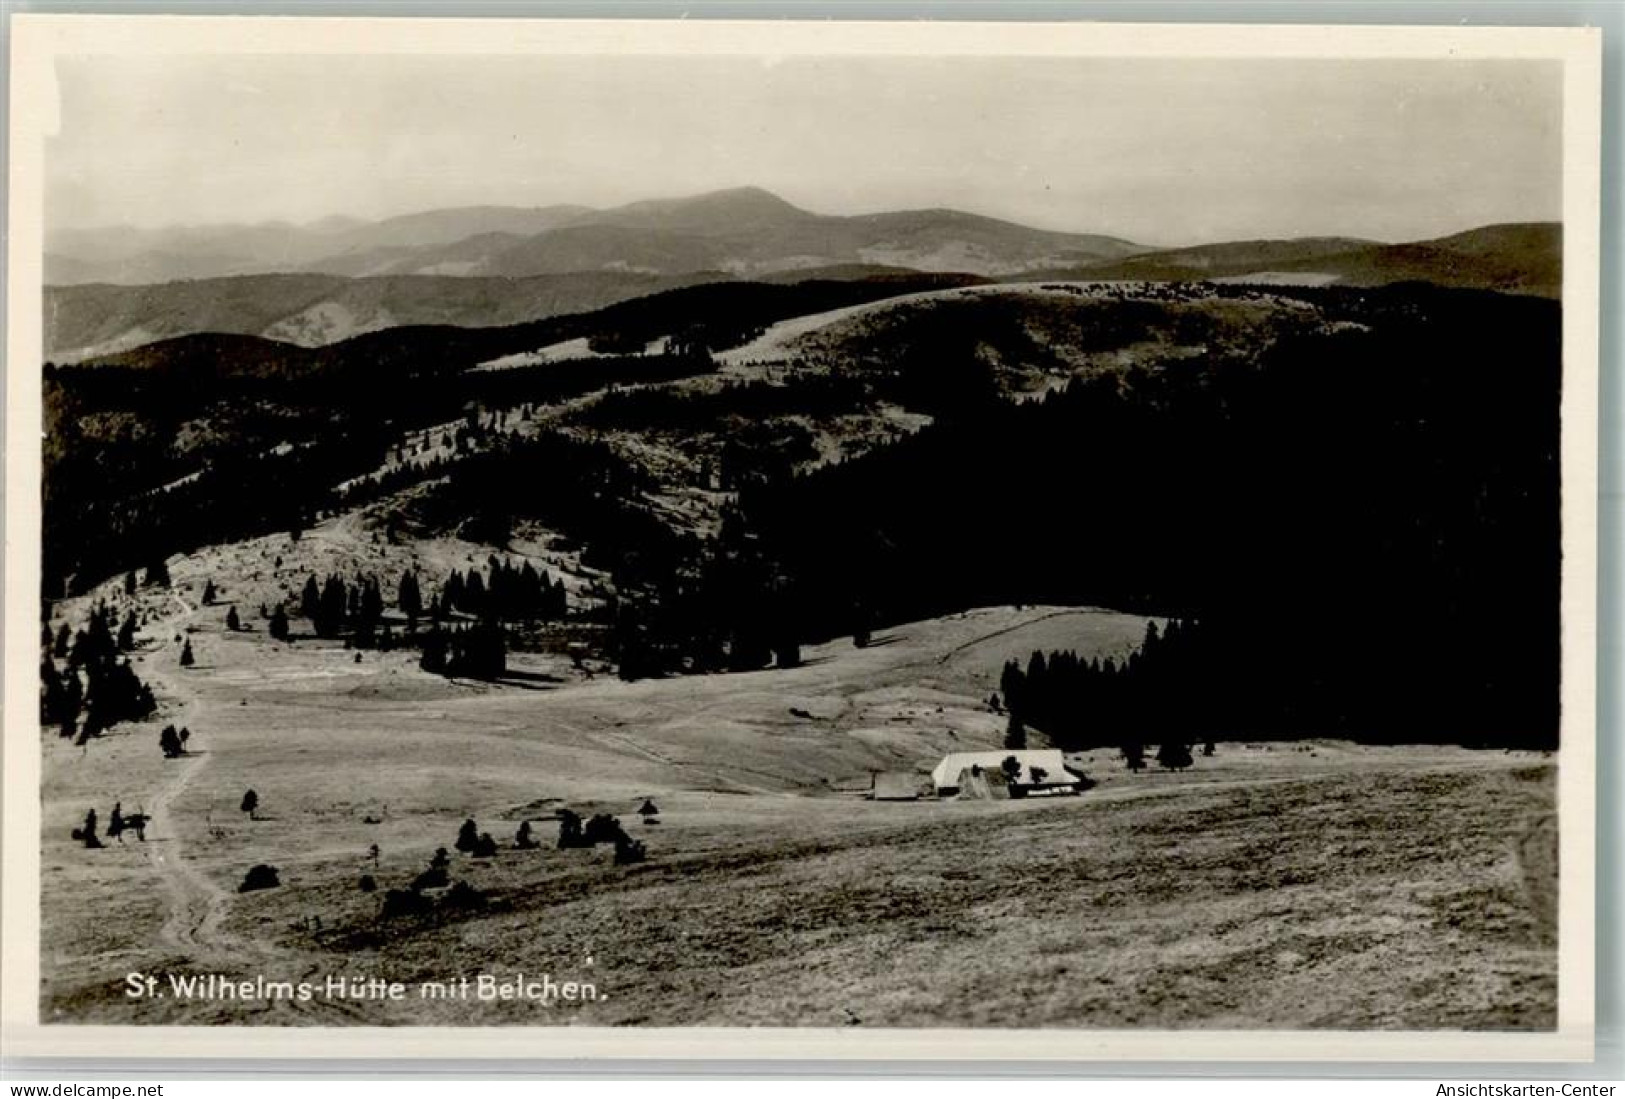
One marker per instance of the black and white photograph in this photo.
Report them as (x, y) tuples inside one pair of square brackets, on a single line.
[(1030, 532)]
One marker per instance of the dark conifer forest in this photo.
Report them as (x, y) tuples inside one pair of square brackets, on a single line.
[(1365, 523)]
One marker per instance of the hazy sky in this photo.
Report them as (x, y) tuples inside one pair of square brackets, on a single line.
[(1158, 151)]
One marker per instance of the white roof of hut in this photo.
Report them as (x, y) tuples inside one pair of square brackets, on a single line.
[(1048, 760)]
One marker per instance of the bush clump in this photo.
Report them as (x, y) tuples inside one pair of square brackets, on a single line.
[(463, 896), (404, 902), (260, 876)]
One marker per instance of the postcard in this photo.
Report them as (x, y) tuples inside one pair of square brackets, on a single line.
[(669, 539)]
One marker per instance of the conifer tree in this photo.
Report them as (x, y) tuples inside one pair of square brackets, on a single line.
[(410, 599), (1134, 756), (86, 833), (126, 633), (1015, 733), (1174, 756), (53, 693)]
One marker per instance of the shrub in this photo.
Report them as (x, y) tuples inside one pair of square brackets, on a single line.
[(629, 850), (435, 877), (368, 883), (464, 896), (403, 902), (1174, 756), (260, 876), (602, 828), (570, 830)]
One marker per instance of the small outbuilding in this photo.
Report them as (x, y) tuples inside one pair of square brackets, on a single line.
[(899, 786)]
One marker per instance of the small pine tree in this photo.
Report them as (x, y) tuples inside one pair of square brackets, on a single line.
[(170, 742), (468, 836), (187, 659), (250, 803), (233, 623), (86, 833), (208, 593)]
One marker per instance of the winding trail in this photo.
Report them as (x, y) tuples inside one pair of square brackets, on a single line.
[(198, 905)]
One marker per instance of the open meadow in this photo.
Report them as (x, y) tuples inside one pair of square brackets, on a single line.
[(1416, 881)]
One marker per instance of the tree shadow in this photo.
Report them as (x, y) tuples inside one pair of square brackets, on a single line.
[(531, 677), (526, 683)]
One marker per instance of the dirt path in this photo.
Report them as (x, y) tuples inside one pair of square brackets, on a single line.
[(198, 905), (985, 638)]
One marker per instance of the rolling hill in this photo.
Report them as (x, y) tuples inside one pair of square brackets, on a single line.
[(1514, 258), (91, 321)]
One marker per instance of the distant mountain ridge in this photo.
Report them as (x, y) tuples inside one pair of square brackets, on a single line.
[(484, 266), (744, 231)]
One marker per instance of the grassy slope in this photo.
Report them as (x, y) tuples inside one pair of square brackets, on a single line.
[(1231, 895)]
